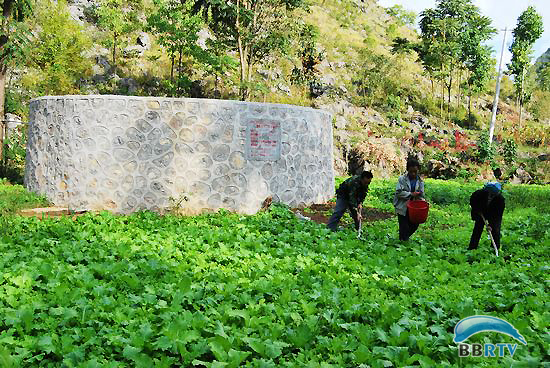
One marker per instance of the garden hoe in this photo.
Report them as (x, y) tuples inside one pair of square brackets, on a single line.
[(490, 234)]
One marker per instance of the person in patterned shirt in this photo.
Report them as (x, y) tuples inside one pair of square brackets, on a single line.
[(350, 196)]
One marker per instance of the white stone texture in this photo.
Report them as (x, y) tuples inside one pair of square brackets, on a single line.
[(125, 153)]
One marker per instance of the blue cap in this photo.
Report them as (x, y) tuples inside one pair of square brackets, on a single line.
[(493, 187)]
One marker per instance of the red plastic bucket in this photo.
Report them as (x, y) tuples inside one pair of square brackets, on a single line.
[(418, 211)]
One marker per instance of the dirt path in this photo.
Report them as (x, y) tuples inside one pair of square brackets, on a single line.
[(320, 213)]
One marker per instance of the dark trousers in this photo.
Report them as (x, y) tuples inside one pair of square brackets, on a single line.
[(406, 227), (478, 230), (342, 206)]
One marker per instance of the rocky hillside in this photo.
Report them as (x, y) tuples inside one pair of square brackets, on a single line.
[(385, 108)]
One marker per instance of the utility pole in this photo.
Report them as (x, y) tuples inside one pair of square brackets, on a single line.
[(497, 92)]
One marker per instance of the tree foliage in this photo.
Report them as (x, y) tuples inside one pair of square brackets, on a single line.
[(529, 28), (255, 29), (58, 62), (452, 37), (14, 38), (119, 18), (403, 16), (309, 55), (177, 32)]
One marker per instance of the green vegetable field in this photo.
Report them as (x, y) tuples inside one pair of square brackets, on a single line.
[(270, 290)]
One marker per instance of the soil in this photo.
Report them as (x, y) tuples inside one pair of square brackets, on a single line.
[(50, 212), (320, 213)]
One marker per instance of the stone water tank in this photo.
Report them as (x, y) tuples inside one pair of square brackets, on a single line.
[(126, 153)]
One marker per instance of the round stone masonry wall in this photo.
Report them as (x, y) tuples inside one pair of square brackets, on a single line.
[(125, 153)]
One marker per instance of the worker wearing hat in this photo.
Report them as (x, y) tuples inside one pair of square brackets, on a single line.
[(487, 203)]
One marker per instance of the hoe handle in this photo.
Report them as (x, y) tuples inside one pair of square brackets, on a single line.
[(490, 234)]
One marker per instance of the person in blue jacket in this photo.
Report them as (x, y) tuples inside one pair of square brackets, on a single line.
[(409, 186)]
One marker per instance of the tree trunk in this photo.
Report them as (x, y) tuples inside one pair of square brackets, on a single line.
[(242, 56), (469, 108), (449, 88), (442, 98), (178, 88), (521, 98), (173, 60), (179, 62), (3, 123), (459, 90), (114, 51)]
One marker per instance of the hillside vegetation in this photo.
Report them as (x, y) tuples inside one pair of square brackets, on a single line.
[(337, 55)]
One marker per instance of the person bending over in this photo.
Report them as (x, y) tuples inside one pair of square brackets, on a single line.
[(350, 196), (487, 203), (409, 186)]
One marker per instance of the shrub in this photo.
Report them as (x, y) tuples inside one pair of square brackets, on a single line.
[(485, 150), (508, 150), (394, 105), (12, 166), (426, 105), (461, 118), (540, 106)]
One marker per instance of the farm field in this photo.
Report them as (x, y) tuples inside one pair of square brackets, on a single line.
[(270, 290)]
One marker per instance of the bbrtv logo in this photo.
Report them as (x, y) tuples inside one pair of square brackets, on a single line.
[(475, 324)]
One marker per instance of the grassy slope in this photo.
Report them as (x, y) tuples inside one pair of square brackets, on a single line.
[(269, 289)]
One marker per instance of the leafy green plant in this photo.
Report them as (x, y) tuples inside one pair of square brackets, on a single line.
[(508, 149), (394, 106), (485, 150), (230, 290)]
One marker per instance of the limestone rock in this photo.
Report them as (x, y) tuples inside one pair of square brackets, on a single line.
[(284, 88), (104, 63), (144, 41), (441, 170), (13, 121), (521, 176), (341, 122)]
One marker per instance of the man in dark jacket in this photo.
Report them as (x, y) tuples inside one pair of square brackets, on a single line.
[(488, 202), (350, 195)]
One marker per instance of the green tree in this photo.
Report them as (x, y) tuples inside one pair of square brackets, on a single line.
[(475, 57), (58, 63), (217, 60), (14, 38), (543, 76), (309, 55), (255, 29), (376, 79), (177, 31), (403, 16), (119, 18), (529, 28), (450, 41)]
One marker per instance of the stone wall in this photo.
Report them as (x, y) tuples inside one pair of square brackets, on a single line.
[(125, 153)]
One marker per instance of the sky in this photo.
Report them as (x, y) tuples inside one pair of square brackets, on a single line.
[(504, 13)]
